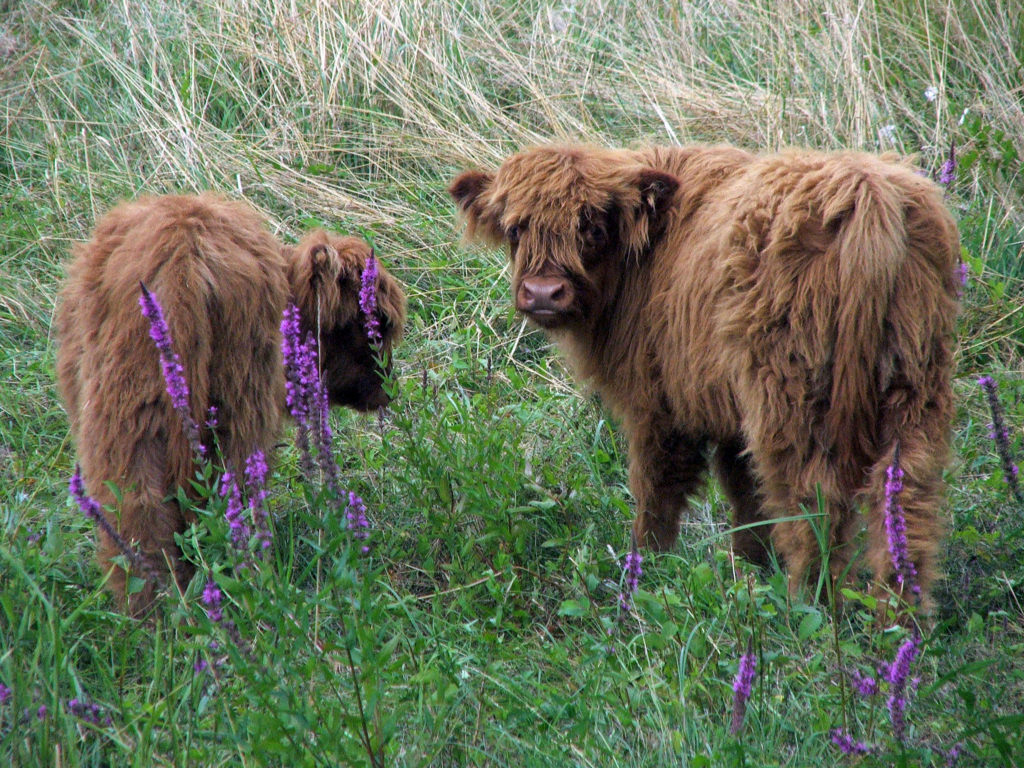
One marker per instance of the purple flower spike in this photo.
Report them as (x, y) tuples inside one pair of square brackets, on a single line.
[(89, 506), (5, 694), (90, 713), (847, 745), (306, 397), (896, 528), (897, 674), (1001, 435), (368, 300), (741, 686), (357, 522), (233, 514), (256, 484), (170, 364), (632, 571), (953, 755), (91, 509), (211, 599), (865, 685), (947, 174)]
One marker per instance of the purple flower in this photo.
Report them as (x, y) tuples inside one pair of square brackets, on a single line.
[(896, 527), (91, 509), (368, 300), (632, 571), (741, 686), (299, 365), (91, 713), (1001, 435), (5, 694), (256, 482), (41, 712), (357, 522), (306, 398), (211, 599), (233, 513), (847, 745), (170, 363), (89, 506), (200, 666), (864, 685), (953, 755), (947, 174), (897, 674), (964, 274)]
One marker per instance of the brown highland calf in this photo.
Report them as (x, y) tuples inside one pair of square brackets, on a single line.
[(794, 312), (223, 281)]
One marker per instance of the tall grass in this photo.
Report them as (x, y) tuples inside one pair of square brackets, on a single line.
[(484, 627)]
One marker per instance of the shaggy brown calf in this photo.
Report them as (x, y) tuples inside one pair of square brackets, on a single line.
[(223, 282), (794, 312)]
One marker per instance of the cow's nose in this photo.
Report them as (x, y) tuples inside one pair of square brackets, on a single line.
[(544, 294)]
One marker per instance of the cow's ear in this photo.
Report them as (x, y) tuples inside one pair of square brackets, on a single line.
[(650, 197), (657, 189), (312, 262), (470, 190), (314, 269)]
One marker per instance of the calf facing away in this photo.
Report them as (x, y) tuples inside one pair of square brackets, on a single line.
[(223, 282)]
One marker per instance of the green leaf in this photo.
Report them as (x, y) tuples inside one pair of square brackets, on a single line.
[(866, 600), (135, 585), (809, 625), (574, 608)]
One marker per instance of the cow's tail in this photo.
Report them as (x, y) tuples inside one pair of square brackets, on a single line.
[(891, 389), (872, 248)]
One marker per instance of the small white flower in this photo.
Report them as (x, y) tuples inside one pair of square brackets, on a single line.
[(931, 93), (963, 116), (887, 132)]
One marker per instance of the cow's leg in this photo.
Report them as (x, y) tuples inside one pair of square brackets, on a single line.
[(735, 474), (665, 467)]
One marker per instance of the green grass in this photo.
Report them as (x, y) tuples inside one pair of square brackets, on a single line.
[(482, 629)]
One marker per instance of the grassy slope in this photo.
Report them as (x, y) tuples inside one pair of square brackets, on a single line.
[(498, 491)]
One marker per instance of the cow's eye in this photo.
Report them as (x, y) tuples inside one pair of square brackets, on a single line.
[(596, 234), (513, 234)]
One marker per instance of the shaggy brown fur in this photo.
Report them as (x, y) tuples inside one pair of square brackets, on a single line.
[(793, 312), (223, 282)]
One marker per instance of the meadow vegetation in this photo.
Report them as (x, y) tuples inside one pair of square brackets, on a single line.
[(483, 626)]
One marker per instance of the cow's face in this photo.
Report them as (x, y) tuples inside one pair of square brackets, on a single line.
[(325, 274), (573, 218)]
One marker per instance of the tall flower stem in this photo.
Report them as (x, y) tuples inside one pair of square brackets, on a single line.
[(376, 758), (896, 528), (170, 364), (306, 397), (91, 509), (1001, 435), (632, 571), (741, 688), (897, 674), (368, 300)]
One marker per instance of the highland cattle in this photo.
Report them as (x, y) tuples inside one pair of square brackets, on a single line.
[(786, 318), (223, 282)]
